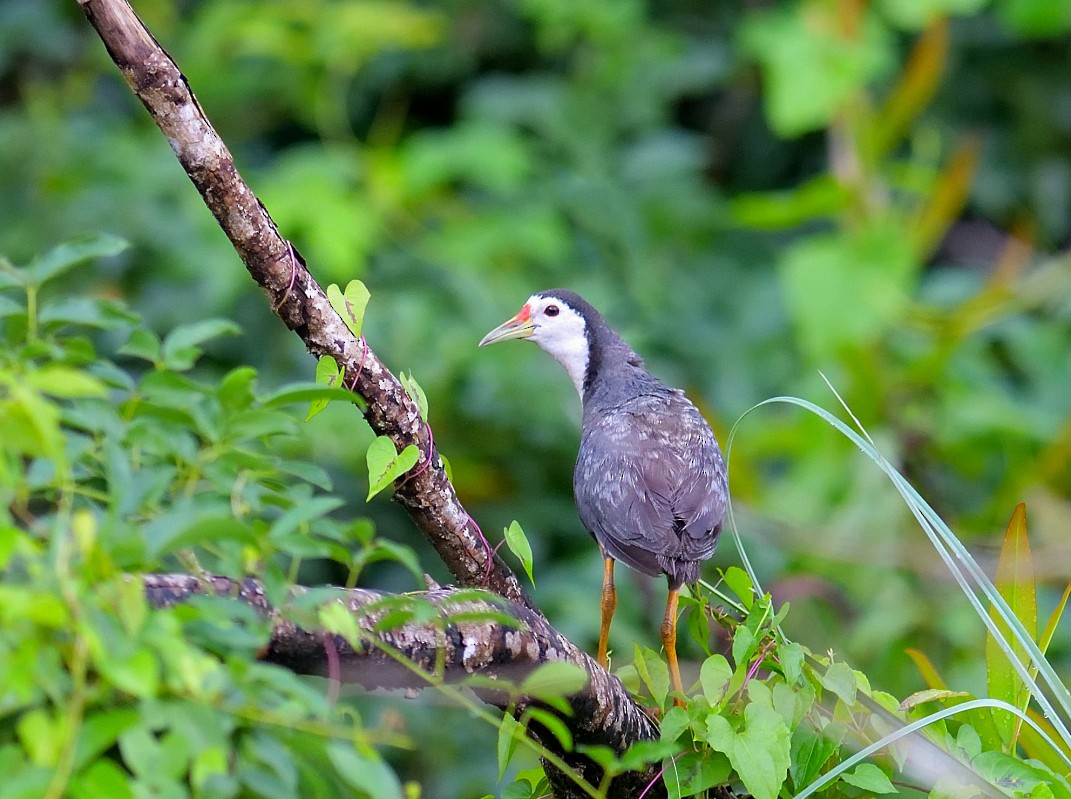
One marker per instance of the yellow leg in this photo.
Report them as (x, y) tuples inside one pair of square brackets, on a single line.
[(609, 604), (669, 641)]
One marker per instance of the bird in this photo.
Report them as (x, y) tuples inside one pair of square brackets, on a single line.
[(650, 481)]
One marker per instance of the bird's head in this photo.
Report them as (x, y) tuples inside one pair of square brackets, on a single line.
[(558, 321)]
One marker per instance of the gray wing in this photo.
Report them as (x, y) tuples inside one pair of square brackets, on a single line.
[(650, 485)]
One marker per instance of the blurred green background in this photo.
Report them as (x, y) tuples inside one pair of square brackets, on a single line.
[(751, 192)]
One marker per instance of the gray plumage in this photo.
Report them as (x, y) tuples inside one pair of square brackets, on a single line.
[(650, 482)]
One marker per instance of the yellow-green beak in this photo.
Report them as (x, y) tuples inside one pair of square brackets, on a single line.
[(520, 326)]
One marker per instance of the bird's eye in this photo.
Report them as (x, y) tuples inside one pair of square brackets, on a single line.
[(551, 310)]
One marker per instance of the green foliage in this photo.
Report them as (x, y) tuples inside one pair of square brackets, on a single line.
[(327, 374), (351, 304), (1015, 582), (386, 464), (106, 472), (416, 393), (518, 544), (751, 193)]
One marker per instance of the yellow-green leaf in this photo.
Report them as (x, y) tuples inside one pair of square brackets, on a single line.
[(926, 669), (386, 464), (351, 304), (1015, 583), (509, 734), (413, 389), (554, 679), (714, 677), (327, 374), (519, 546), (737, 579), (930, 695), (870, 778), (63, 381)]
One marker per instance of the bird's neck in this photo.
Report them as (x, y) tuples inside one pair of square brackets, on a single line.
[(573, 354), (614, 372)]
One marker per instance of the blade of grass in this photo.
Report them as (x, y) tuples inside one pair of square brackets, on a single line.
[(954, 555), (914, 726)]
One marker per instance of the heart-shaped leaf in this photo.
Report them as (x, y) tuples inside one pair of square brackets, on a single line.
[(386, 464), (351, 304), (327, 374)]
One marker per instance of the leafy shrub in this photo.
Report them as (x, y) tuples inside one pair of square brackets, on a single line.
[(109, 471)]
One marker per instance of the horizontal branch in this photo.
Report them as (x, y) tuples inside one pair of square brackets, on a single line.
[(474, 634)]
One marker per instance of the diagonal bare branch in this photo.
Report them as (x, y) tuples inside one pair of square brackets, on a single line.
[(295, 296)]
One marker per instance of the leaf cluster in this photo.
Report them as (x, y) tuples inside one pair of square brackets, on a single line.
[(115, 459)]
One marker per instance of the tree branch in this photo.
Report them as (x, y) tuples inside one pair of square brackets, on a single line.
[(602, 713), (474, 634), (295, 296)]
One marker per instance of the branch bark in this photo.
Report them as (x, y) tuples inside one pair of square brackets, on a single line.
[(604, 713), (480, 634)]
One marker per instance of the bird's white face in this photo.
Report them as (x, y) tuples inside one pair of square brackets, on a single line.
[(554, 326)]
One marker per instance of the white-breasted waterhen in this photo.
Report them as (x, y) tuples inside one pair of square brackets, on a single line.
[(650, 482)]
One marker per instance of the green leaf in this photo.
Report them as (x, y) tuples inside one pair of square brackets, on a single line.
[(811, 65), (102, 778), (744, 643), (142, 344), (810, 751), (413, 389), (65, 257), (791, 656), (181, 347), (137, 674), (519, 546), (302, 513), (554, 725), (186, 525), (714, 676), (554, 679), (62, 381), (673, 724), (365, 772), (1041, 18), (335, 617), (759, 750), (931, 695), (818, 198), (99, 731), (869, 778), (737, 579), (351, 305), (293, 393), (386, 464), (1023, 777), (845, 290), (1016, 584), (509, 735), (41, 736), (328, 375), (653, 672), (841, 680), (693, 773)]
